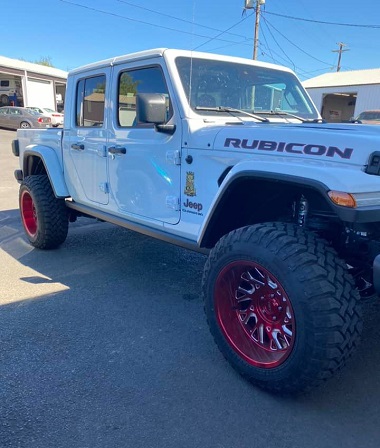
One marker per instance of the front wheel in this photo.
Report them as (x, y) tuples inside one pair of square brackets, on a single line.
[(281, 306), (44, 217)]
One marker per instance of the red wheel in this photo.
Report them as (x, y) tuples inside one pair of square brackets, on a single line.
[(254, 313), (28, 214), (281, 306), (44, 217)]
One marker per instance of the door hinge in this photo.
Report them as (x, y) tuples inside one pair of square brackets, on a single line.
[(103, 186), (174, 157), (172, 202)]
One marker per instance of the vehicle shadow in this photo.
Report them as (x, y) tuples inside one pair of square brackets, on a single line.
[(99, 249), (105, 339)]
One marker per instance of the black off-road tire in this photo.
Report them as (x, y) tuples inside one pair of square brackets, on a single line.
[(44, 217), (281, 306)]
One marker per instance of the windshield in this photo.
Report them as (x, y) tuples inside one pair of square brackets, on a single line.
[(35, 109), (33, 112), (369, 115), (259, 90)]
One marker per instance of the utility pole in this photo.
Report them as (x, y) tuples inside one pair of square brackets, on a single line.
[(249, 4), (340, 51)]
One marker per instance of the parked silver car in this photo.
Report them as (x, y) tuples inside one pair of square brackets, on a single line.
[(368, 117), (56, 117), (21, 117)]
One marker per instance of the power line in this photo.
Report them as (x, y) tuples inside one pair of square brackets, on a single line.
[(229, 45), (279, 46), (266, 42), (223, 32), (264, 51), (322, 22), (151, 24), (177, 18), (295, 45)]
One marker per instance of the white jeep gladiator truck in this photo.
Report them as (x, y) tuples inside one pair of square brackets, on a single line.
[(228, 157)]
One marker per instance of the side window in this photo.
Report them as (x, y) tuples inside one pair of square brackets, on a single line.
[(4, 83), (133, 82), (90, 101)]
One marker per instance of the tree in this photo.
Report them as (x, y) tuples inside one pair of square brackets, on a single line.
[(128, 85), (46, 60)]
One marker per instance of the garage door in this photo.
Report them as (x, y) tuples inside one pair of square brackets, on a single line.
[(40, 93)]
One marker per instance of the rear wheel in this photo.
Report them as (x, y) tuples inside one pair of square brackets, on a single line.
[(44, 217), (281, 306), (24, 125)]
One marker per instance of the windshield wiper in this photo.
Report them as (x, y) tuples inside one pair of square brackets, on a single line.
[(232, 110), (288, 114)]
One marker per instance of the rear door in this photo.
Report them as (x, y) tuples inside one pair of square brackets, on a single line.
[(84, 142), (144, 163)]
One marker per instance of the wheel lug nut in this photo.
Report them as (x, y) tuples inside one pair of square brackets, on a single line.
[(280, 308), (274, 318)]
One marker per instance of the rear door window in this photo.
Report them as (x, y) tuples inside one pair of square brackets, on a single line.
[(90, 101)]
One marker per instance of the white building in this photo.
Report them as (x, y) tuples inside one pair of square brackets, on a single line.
[(339, 96), (27, 84)]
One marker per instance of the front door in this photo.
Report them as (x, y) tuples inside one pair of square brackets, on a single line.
[(144, 163)]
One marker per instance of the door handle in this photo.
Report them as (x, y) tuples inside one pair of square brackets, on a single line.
[(77, 146), (117, 150)]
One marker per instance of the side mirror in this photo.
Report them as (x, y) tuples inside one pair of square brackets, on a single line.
[(151, 108)]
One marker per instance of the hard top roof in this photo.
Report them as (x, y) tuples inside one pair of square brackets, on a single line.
[(171, 54)]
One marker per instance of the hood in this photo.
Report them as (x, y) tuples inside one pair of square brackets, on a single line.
[(344, 143)]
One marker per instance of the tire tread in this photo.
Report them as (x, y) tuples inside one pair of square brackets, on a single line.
[(329, 293), (52, 211)]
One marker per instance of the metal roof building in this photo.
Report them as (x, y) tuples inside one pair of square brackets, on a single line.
[(29, 84), (339, 96)]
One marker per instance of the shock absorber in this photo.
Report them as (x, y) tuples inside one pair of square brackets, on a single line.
[(303, 208)]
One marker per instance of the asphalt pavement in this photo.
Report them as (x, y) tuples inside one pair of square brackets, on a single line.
[(104, 344)]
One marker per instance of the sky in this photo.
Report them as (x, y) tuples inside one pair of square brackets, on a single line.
[(72, 33)]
